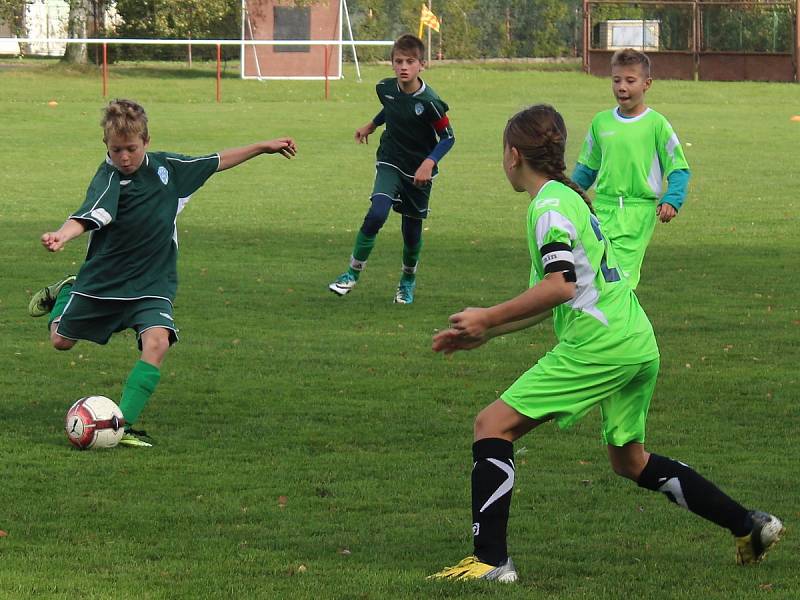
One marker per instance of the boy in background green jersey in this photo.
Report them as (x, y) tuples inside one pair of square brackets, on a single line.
[(129, 278), (606, 356), (628, 152), (407, 162)]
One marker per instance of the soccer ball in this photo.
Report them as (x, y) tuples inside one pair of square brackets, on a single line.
[(94, 422)]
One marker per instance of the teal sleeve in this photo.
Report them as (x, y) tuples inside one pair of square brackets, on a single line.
[(677, 185), (583, 176)]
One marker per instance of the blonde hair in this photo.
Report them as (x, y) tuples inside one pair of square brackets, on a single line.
[(124, 118)]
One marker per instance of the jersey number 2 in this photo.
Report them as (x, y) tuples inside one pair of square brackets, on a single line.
[(610, 275)]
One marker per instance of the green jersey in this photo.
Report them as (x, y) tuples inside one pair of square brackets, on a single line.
[(133, 243), (412, 124), (632, 155), (603, 323)]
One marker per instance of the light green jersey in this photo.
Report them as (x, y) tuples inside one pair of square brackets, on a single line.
[(631, 155), (133, 243), (603, 323)]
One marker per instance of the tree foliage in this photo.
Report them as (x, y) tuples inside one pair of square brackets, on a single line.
[(12, 12), (470, 28)]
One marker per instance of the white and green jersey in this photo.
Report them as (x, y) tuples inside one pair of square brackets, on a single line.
[(631, 155), (133, 243), (603, 323)]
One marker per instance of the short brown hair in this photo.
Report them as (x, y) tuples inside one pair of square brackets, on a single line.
[(409, 44), (628, 57), (124, 118)]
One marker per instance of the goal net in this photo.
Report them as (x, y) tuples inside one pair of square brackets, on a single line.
[(278, 22)]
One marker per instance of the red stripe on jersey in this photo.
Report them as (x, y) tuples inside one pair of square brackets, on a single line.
[(441, 124)]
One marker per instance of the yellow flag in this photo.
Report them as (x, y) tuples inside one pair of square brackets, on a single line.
[(426, 17)]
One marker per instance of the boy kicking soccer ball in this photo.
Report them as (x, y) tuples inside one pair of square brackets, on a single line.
[(406, 164), (129, 278)]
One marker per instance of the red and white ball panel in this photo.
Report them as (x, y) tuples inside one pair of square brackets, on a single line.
[(94, 422)]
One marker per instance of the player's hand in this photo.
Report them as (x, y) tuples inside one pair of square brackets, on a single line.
[(451, 340), (284, 146), (52, 241), (363, 133), (471, 322), (666, 212), (424, 173)]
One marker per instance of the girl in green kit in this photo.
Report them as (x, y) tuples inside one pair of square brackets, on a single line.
[(606, 356), (129, 278)]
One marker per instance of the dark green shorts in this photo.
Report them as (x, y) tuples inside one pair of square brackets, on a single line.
[(96, 320), (407, 199)]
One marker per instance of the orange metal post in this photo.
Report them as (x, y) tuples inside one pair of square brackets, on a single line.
[(797, 42), (105, 70), (586, 35), (219, 71), (327, 84)]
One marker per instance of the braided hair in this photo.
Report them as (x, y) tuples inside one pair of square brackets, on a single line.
[(124, 118), (540, 136)]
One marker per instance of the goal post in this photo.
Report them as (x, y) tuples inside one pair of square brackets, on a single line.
[(297, 33)]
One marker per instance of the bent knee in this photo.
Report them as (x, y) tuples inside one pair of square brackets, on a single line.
[(61, 343), (156, 342), (627, 470), (483, 426)]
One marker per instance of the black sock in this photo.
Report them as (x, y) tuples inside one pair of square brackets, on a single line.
[(492, 484), (685, 487)]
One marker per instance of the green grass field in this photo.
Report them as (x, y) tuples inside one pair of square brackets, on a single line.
[(310, 446)]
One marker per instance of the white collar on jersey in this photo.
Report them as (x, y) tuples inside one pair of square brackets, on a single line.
[(623, 119), (417, 93)]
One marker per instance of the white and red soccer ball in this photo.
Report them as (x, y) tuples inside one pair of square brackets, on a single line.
[(94, 422)]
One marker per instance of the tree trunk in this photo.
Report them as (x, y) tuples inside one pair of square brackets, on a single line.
[(77, 28)]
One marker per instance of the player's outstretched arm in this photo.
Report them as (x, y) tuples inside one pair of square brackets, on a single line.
[(53, 241), (236, 156)]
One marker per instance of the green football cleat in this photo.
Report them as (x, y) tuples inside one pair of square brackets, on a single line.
[(135, 439), (405, 291), (767, 531), (42, 301), (472, 568)]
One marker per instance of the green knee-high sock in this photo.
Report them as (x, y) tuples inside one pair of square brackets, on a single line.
[(140, 386), (361, 250), (411, 260), (60, 305)]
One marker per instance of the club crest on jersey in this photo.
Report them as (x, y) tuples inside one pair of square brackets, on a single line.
[(418, 108), (163, 175)]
